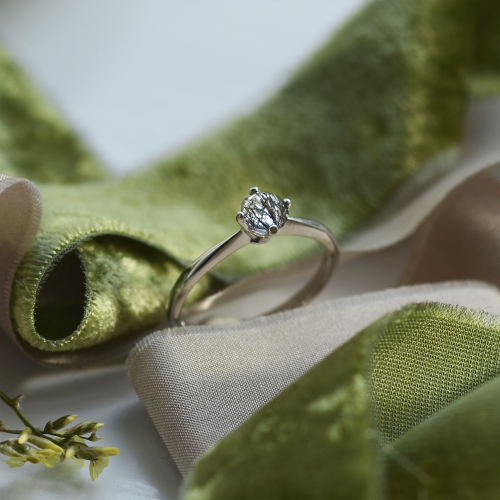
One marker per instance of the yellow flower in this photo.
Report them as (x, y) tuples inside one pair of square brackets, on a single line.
[(22, 453), (97, 466), (46, 457)]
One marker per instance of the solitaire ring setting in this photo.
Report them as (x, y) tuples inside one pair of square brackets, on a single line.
[(262, 216)]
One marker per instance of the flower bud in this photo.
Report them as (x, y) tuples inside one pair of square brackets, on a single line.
[(24, 436), (55, 425), (94, 437), (45, 444), (17, 401), (83, 428), (107, 451), (96, 452)]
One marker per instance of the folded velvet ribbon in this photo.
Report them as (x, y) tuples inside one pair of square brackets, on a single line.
[(355, 137), (408, 408), (200, 383)]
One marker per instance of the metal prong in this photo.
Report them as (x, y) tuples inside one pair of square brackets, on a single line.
[(240, 219), (288, 203), (254, 190), (273, 229)]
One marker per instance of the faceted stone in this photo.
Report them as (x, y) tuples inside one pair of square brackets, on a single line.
[(263, 210)]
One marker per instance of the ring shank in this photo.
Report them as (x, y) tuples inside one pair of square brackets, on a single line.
[(293, 227)]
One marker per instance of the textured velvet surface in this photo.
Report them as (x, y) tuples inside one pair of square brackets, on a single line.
[(382, 99), (407, 409)]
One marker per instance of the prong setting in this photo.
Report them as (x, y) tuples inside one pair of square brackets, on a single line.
[(240, 219), (262, 215)]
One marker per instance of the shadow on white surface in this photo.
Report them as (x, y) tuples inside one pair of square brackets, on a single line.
[(155, 474), (38, 483)]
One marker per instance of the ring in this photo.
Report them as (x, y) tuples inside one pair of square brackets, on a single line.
[(262, 216)]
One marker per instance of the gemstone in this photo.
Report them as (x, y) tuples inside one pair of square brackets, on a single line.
[(262, 211)]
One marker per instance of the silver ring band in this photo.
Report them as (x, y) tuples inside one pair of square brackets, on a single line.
[(263, 215)]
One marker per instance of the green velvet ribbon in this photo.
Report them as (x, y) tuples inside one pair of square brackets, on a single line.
[(407, 409), (378, 102)]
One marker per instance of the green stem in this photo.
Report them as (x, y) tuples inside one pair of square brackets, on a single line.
[(62, 436), (10, 431), (12, 405), (10, 402)]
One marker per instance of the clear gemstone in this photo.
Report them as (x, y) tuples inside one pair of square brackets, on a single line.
[(262, 211)]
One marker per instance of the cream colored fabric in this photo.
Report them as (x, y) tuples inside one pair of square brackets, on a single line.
[(461, 239), (20, 213), (198, 383)]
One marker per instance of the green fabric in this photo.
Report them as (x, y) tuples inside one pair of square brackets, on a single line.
[(407, 409), (379, 101)]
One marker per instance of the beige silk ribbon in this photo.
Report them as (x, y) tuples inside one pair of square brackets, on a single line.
[(20, 214), (461, 239)]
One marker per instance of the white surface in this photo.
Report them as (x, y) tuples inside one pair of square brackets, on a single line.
[(138, 78)]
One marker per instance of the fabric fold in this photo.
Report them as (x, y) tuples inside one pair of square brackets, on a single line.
[(381, 102), (365, 421), (199, 383), (461, 239), (20, 214)]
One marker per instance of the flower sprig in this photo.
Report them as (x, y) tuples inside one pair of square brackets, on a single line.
[(53, 443)]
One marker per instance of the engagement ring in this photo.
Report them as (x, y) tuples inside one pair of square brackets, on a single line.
[(262, 216)]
